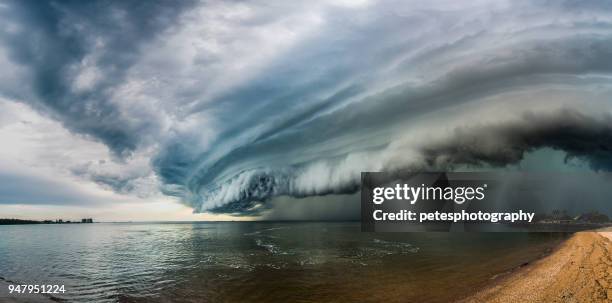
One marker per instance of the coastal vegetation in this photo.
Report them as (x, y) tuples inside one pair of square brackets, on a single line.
[(12, 221)]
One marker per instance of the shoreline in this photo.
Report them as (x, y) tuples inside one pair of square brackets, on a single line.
[(578, 270)]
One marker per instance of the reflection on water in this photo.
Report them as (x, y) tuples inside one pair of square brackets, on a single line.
[(263, 262)]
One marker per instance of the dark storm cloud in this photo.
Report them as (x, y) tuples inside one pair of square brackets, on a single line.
[(280, 112), (241, 102), (586, 137), (577, 134), (279, 128), (54, 37), (366, 124)]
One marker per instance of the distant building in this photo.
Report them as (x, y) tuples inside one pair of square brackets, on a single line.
[(87, 220)]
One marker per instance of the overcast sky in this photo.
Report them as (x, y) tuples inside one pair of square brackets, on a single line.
[(152, 110)]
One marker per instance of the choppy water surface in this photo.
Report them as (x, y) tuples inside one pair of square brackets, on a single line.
[(263, 262)]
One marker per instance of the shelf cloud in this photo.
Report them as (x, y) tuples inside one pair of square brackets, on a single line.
[(227, 105)]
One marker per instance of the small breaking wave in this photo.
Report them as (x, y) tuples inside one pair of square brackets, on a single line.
[(400, 247)]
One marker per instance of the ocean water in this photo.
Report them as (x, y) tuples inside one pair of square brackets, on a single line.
[(259, 261)]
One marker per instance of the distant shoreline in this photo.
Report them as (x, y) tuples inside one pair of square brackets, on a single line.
[(577, 271), (24, 222)]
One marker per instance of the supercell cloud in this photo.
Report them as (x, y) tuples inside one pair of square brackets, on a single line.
[(230, 104)]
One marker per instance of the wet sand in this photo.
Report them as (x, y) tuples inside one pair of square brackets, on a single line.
[(580, 270)]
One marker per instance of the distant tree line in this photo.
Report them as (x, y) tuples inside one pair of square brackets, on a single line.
[(17, 221), (58, 221)]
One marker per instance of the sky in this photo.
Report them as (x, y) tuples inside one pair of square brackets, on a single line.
[(239, 110)]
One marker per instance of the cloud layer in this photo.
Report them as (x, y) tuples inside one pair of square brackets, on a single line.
[(228, 104)]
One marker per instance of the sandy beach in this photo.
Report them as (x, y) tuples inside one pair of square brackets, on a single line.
[(580, 270)]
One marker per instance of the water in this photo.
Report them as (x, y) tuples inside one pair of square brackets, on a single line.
[(261, 262)]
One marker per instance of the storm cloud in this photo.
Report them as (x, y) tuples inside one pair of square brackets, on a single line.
[(577, 134), (75, 53), (235, 103)]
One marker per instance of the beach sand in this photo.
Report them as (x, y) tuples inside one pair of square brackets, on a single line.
[(580, 270)]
